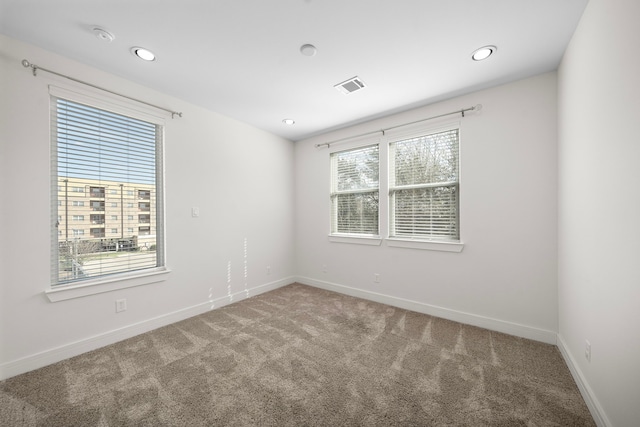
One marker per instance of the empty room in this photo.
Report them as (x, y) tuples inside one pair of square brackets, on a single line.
[(319, 212)]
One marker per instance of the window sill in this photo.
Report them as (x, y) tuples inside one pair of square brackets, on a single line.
[(359, 240), (98, 286), (426, 245)]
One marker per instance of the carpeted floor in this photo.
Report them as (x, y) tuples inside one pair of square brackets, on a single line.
[(300, 356)]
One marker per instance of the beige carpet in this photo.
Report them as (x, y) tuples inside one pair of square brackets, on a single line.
[(300, 356)]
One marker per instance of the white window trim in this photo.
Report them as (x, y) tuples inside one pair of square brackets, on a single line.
[(103, 284), (107, 284), (428, 245), (384, 214), (356, 239), (107, 102)]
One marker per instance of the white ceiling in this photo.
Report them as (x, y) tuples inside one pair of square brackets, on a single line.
[(241, 58)]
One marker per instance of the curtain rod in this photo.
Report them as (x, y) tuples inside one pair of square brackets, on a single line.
[(35, 68), (474, 108)]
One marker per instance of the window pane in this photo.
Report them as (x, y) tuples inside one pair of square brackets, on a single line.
[(427, 212), (356, 169), (357, 213), (427, 159)]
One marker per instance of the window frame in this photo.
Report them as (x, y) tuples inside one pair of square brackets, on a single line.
[(106, 283), (395, 189), (358, 238)]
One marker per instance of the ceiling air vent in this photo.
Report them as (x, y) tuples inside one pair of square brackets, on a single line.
[(349, 86)]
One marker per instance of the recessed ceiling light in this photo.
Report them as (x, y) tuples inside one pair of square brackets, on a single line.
[(483, 53), (143, 53), (308, 50), (103, 34), (288, 122)]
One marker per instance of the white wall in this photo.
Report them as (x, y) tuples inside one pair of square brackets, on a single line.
[(240, 177), (599, 207), (505, 278)]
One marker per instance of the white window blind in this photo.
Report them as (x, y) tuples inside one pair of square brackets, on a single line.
[(355, 191), (424, 187), (103, 162)]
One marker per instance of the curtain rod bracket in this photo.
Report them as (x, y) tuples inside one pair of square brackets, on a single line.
[(27, 64)]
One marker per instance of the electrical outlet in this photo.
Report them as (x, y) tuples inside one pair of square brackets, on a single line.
[(376, 278), (268, 269), (121, 305), (587, 350), (324, 268)]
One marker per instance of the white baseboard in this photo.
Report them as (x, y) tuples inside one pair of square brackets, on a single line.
[(510, 328), (593, 404), (39, 360)]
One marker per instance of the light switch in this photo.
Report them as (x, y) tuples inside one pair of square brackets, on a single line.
[(195, 212)]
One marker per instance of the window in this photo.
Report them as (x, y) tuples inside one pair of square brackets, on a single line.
[(424, 188), (96, 232), (354, 191), (97, 219), (97, 205), (98, 148), (79, 217), (403, 190), (114, 217), (96, 191)]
